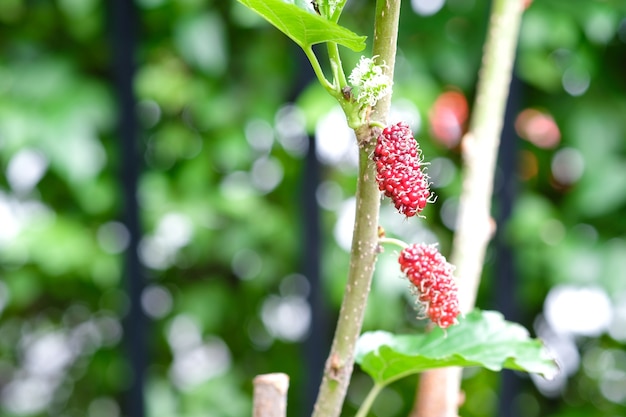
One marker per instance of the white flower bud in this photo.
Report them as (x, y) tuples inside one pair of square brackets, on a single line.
[(370, 81)]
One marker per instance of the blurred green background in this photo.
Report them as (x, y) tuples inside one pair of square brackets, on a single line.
[(226, 111)]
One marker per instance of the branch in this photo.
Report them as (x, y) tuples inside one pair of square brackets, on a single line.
[(340, 362), (385, 46), (474, 225)]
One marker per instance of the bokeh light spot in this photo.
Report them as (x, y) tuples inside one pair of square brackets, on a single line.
[(266, 174), (575, 310), (149, 113), (25, 169), (564, 350), (199, 363), (617, 328), (103, 407), (427, 7), (290, 125), (448, 116), (600, 27), (613, 385), (345, 224), (156, 301), (295, 285), (26, 396), (200, 38), (449, 212), (441, 172), (183, 333), (576, 81), (173, 232), (404, 110), (246, 264), (113, 237), (552, 232), (237, 186), (336, 142), (260, 135), (287, 318), (329, 195), (538, 128), (567, 166)]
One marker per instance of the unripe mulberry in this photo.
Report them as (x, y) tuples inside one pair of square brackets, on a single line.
[(431, 274), (398, 169)]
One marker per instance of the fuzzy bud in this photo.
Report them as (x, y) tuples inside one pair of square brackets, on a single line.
[(370, 81)]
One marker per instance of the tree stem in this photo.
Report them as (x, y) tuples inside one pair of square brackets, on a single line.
[(340, 362), (385, 46), (438, 395), (480, 148)]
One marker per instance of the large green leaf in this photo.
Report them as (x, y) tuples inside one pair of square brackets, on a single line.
[(303, 27), (480, 339)]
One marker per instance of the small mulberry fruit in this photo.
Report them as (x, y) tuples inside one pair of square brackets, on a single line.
[(431, 274), (398, 169)]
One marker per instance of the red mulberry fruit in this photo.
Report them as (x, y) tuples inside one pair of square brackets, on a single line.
[(398, 169), (431, 274)]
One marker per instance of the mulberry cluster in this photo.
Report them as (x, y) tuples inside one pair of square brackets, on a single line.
[(398, 166), (431, 274)]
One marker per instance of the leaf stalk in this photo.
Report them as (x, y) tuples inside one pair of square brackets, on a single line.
[(318, 71), (369, 400)]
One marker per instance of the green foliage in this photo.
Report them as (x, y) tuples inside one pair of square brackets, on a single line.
[(206, 119), (304, 27), (480, 339)]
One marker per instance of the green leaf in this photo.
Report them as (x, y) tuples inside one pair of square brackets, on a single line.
[(480, 339), (303, 27)]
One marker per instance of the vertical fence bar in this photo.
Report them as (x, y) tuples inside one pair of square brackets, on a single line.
[(316, 344), (506, 275), (123, 23)]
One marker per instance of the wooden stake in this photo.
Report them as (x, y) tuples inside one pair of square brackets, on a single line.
[(270, 395)]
